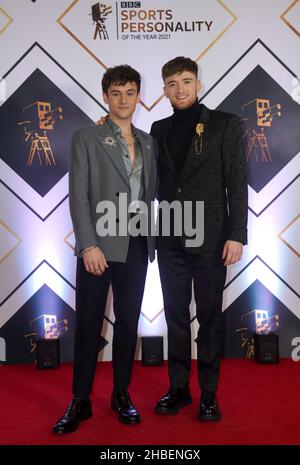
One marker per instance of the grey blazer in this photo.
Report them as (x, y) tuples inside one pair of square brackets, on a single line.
[(97, 172)]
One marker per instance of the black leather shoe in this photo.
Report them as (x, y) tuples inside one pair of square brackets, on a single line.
[(121, 402), (173, 401), (77, 410), (209, 409)]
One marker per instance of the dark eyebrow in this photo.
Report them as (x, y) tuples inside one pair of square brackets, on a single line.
[(128, 90), (184, 79)]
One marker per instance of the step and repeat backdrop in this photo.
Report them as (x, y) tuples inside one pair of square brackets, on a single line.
[(53, 54)]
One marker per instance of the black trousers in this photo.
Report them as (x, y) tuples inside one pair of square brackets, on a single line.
[(178, 269), (128, 282)]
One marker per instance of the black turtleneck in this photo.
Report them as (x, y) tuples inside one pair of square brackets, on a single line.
[(181, 133)]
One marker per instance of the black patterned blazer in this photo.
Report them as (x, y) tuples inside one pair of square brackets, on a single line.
[(217, 176)]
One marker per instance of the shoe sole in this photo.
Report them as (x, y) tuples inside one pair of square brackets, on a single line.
[(86, 416), (130, 422), (173, 411), (209, 418)]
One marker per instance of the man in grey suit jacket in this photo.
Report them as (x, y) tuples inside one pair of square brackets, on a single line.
[(112, 178)]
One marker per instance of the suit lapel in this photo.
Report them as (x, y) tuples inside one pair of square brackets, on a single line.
[(193, 159), (110, 144)]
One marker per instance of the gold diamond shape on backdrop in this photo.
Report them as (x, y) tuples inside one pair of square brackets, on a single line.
[(70, 239), (156, 315), (4, 22), (294, 228), (9, 241), (286, 21), (198, 57)]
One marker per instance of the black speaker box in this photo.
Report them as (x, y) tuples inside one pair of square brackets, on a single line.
[(47, 353), (266, 348), (152, 350)]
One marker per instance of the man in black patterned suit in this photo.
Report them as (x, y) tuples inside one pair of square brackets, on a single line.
[(201, 158)]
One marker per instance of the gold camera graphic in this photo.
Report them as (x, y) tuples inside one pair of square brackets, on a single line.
[(46, 326), (260, 111), (41, 118), (255, 322)]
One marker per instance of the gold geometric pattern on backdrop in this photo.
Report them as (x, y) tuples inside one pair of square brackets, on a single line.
[(9, 241), (4, 22), (295, 224), (294, 4)]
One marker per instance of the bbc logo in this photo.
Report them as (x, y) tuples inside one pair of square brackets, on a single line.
[(130, 4)]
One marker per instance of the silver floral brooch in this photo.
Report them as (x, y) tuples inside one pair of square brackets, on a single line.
[(110, 141)]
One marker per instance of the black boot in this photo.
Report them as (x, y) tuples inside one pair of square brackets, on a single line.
[(77, 410), (209, 409), (173, 401), (121, 402)]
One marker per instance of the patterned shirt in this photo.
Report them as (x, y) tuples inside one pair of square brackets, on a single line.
[(134, 173)]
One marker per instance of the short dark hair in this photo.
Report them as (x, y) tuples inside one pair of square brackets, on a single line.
[(120, 75), (178, 65)]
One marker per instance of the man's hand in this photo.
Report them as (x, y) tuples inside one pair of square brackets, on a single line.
[(232, 252), (94, 261), (102, 120)]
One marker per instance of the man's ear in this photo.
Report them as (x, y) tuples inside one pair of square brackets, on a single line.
[(105, 99), (198, 86), (165, 92)]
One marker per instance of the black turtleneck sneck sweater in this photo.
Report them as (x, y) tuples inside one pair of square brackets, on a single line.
[(181, 133)]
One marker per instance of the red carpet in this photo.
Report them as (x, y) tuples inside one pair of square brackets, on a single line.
[(260, 405)]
